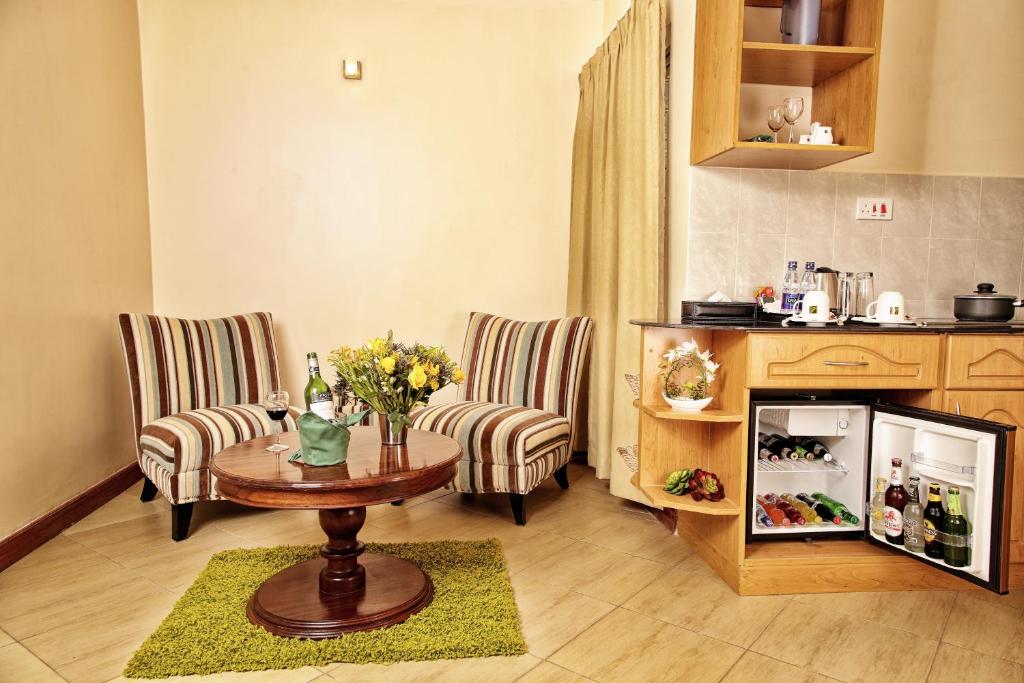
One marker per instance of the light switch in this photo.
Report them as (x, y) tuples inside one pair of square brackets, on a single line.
[(352, 69)]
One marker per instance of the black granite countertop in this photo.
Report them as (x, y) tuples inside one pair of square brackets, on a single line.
[(930, 326)]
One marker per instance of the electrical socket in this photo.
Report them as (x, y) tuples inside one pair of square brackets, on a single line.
[(874, 209)]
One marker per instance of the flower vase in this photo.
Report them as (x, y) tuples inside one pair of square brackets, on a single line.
[(389, 435)]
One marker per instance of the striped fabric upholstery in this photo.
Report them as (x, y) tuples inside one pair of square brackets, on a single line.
[(537, 365), (177, 366), (509, 448), (177, 449), (516, 409)]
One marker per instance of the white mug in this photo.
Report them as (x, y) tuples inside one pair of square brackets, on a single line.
[(814, 306), (821, 135), (888, 308)]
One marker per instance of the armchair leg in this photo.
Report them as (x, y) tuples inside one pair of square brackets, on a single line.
[(562, 476), (518, 507), (148, 490), (181, 517)]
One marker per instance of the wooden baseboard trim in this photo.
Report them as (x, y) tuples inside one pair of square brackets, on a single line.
[(39, 531)]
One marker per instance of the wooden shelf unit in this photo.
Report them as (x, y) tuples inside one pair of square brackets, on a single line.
[(664, 412), (842, 72), (662, 498)]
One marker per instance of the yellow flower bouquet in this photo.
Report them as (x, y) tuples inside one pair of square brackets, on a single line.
[(394, 378)]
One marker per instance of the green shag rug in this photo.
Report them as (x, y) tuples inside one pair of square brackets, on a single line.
[(473, 614)]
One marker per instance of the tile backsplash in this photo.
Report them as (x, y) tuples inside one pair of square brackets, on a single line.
[(946, 234)]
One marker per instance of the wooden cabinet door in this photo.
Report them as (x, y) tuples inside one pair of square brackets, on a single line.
[(985, 362), (1006, 407)]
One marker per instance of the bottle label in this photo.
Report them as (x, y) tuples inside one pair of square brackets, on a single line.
[(322, 408), (893, 521), (929, 531), (789, 300)]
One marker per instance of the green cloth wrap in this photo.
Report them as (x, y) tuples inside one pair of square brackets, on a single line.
[(324, 442)]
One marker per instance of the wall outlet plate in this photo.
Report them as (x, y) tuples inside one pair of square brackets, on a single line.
[(874, 209)]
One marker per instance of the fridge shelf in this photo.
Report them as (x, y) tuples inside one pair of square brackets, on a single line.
[(808, 528), (921, 459), (792, 466)]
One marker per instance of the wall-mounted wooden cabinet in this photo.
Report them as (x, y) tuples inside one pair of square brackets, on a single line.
[(841, 72)]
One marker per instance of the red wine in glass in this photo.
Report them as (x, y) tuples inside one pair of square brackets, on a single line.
[(276, 405)]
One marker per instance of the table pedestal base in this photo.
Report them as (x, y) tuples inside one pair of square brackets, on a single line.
[(351, 591), (290, 603)]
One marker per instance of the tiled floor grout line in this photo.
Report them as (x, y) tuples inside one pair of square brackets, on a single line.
[(16, 642)]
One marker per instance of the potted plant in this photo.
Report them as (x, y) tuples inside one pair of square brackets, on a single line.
[(692, 395), (394, 378)]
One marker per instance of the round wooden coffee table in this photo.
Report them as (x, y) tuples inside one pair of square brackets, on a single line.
[(324, 599)]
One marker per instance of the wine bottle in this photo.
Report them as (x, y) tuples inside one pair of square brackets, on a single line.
[(764, 452), (782, 447), (815, 449), (318, 394)]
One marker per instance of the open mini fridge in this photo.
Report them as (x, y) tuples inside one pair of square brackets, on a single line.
[(863, 436)]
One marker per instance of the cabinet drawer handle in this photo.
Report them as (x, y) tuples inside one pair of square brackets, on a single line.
[(846, 363)]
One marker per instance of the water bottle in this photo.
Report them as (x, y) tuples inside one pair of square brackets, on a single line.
[(807, 281), (790, 288)]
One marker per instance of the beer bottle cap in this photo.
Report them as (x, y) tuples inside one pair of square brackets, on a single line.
[(897, 462), (954, 490), (915, 480)]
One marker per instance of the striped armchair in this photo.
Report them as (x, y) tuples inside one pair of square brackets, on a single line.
[(515, 414), (196, 389)]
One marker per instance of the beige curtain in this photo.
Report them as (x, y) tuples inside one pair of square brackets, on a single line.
[(617, 233)]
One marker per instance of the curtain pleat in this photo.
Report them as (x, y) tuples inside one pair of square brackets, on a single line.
[(617, 225)]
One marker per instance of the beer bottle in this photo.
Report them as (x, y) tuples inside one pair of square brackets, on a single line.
[(895, 500), (934, 521), (956, 552), (836, 507), (913, 520), (878, 507)]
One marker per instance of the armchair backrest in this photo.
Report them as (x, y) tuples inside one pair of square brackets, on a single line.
[(537, 365), (176, 365)]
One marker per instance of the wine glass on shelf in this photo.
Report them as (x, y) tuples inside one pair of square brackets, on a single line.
[(276, 405), (776, 119), (793, 110)]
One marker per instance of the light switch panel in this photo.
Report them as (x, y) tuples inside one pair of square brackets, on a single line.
[(874, 208)]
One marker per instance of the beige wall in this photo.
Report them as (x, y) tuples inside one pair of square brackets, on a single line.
[(76, 245), (437, 185)]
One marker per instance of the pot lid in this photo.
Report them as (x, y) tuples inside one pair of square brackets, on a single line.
[(985, 290)]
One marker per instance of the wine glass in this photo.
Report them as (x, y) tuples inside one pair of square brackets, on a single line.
[(276, 405), (775, 120), (794, 108)]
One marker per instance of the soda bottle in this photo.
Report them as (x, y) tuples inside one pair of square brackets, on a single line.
[(836, 507), (762, 516), (895, 500), (790, 288), (777, 516), (792, 514), (878, 507), (822, 511), (934, 522), (956, 552), (803, 508), (913, 520)]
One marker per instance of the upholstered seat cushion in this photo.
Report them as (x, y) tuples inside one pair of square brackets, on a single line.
[(186, 442), (496, 433)]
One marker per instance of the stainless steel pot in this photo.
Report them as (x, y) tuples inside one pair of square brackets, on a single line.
[(985, 305)]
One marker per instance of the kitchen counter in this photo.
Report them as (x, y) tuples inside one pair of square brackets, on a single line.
[(931, 326)]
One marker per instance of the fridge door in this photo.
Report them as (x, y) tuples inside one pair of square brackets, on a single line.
[(952, 450)]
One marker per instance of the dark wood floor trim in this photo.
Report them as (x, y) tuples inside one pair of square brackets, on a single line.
[(39, 531)]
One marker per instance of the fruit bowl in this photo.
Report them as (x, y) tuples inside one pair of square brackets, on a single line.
[(688, 405)]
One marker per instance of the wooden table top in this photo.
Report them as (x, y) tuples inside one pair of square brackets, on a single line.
[(372, 474)]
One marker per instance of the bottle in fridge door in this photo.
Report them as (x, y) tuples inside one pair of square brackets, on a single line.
[(962, 463)]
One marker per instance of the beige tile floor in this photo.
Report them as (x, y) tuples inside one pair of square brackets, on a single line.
[(605, 593)]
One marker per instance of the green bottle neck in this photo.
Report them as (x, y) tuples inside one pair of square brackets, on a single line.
[(953, 500)]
